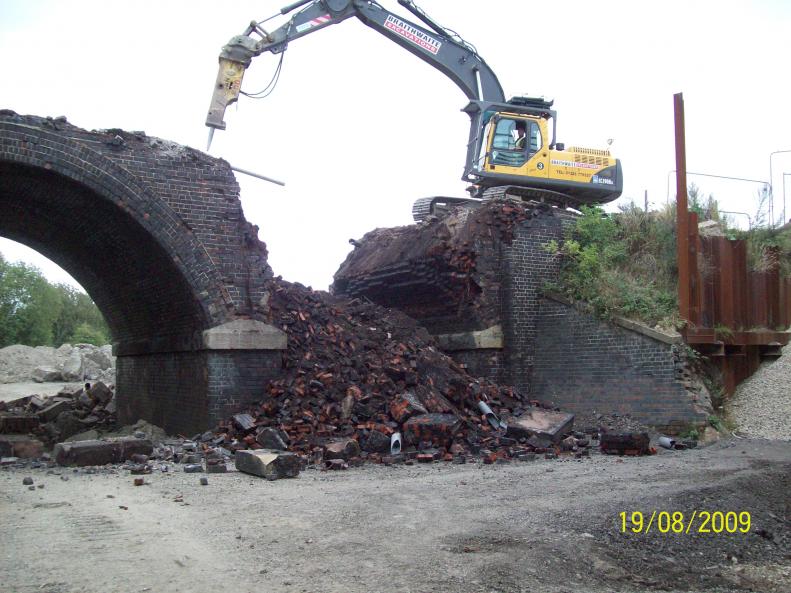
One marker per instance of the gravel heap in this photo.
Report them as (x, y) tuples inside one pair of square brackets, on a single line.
[(761, 406)]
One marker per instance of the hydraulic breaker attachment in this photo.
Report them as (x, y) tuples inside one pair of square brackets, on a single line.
[(234, 59)]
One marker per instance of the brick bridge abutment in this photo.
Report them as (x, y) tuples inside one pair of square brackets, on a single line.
[(154, 232)]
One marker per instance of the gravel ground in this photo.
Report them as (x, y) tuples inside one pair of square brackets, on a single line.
[(550, 526), (761, 406)]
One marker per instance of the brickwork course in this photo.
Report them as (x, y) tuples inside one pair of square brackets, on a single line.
[(485, 270), (155, 233), (587, 365)]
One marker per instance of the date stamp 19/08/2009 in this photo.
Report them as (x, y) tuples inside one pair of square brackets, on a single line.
[(679, 523)]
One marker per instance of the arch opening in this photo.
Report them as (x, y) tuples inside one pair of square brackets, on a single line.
[(136, 284)]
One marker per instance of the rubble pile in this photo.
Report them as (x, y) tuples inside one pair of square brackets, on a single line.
[(74, 411), (69, 363), (355, 374)]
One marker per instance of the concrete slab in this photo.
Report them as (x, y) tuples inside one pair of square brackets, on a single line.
[(540, 422)]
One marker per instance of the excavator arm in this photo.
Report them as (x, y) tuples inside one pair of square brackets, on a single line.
[(432, 43)]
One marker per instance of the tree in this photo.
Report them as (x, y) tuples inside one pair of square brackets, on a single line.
[(78, 310), (37, 313), (88, 334), (29, 305)]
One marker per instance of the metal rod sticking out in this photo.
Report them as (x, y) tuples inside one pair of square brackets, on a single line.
[(257, 175)]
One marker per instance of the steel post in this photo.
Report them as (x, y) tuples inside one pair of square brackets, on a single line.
[(682, 214)]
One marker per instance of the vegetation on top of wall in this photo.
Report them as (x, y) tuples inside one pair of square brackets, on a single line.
[(36, 313), (624, 264)]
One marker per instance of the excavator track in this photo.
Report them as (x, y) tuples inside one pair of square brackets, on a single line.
[(422, 208), (528, 194)]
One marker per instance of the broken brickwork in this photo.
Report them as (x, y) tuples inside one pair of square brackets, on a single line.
[(457, 276), (360, 373), (155, 233), (446, 273), (475, 278)]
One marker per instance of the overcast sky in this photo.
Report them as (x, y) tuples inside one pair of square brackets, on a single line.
[(358, 128)]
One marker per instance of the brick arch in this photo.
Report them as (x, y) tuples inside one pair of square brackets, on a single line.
[(138, 282), (126, 245), (154, 231)]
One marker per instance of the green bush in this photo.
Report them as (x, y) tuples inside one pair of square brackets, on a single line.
[(622, 264), (88, 334)]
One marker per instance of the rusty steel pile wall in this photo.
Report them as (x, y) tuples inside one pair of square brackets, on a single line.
[(736, 316)]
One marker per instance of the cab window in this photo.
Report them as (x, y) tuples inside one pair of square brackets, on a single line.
[(509, 143), (505, 134), (535, 138)]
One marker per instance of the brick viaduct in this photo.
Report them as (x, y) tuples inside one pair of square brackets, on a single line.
[(154, 232)]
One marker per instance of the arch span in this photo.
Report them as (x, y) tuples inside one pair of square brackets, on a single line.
[(155, 233)]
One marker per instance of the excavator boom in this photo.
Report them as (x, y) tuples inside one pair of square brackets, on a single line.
[(496, 158), (454, 58)]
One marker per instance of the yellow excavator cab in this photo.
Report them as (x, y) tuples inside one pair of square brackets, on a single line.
[(517, 150)]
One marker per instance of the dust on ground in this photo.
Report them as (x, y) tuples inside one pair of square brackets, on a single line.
[(544, 526)]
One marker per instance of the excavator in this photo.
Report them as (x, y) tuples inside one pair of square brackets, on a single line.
[(512, 150)]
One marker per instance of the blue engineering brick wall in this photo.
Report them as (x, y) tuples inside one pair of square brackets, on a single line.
[(584, 365), (528, 267)]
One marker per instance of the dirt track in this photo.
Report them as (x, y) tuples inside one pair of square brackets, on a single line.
[(545, 526)]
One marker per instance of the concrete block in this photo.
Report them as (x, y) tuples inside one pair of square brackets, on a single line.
[(52, 411), (100, 392), (489, 338), (272, 438), (271, 465), (88, 435), (68, 424), (377, 442), (46, 375), (344, 449), (406, 405), (82, 453), (111, 406), (542, 423), (244, 334)]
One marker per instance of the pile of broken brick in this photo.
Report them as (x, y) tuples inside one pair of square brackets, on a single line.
[(364, 383), (359, 383), (30, 424)]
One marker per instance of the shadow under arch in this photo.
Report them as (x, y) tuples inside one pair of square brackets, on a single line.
[(155, 233), (135, 282)]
